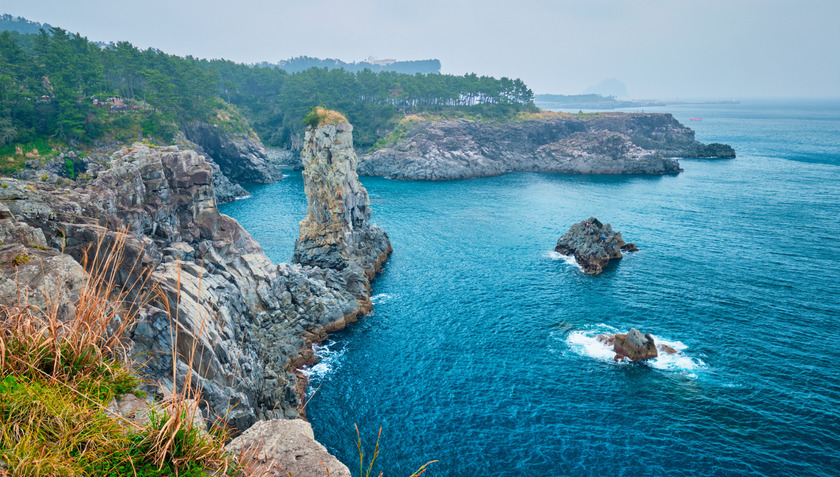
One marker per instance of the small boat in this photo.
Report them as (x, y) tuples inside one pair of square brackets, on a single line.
[(695, 119)]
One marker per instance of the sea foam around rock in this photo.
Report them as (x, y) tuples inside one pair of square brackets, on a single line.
[(585, 343)]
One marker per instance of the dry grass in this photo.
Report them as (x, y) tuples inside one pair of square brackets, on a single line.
[(542, 115), (320, 116), (59, 370)]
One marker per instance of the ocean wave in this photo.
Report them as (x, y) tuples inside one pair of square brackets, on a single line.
[(380, 298), (585, 343), (568, 259), (329, 360)]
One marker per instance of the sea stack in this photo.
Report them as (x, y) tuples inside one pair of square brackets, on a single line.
[(336, 232), (593, 245)]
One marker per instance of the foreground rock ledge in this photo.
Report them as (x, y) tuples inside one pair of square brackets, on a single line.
[(290, 445), (593, 245)]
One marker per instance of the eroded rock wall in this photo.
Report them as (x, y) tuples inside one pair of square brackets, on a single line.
[(609, 143), (245, 321)]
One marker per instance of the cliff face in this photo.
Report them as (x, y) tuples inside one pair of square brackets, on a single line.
[(238, 157), (336, 232), (613, 143), (249, 320)]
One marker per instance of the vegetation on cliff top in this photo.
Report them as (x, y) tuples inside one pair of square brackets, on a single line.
[(59, 86), (319, 116)]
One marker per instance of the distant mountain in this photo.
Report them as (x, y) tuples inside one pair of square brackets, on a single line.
[(21, 25), (303, 63), (608, 87)]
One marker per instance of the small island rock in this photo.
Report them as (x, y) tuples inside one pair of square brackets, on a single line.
[(593, 245), (634, 346)]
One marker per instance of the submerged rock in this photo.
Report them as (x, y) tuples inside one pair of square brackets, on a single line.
[(593, 245)]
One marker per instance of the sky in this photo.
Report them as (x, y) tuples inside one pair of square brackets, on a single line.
[(658, 48)]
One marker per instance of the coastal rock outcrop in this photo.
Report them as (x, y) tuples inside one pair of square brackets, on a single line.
[(606, 143), (633, 345), (248, 320), (336, 232), (234, 157), (601, 152), (593, 245), (287, 447)]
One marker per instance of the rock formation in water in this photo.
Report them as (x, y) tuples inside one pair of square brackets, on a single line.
[(633, 345), (250, 321), (593, 245), (607, 143), (337, 233)]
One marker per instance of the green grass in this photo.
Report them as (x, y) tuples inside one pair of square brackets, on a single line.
[(13, 156)]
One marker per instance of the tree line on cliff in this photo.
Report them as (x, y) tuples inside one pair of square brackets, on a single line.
[(59, 85)]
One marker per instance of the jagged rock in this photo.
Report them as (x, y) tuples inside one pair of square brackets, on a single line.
[(634, 346), (608, 143), (593, 245), (336, 236), (289, 447), (284, 158), (601, 152), (248, 320), (336, 232), (241, 157)]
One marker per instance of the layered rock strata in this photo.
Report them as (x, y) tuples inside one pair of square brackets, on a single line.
[(337, 236), (246, 319), (608, 143), (593, 245), (336, 232)]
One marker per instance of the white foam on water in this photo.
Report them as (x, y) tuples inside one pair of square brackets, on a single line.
[(380, 298), (328, 361), (568, 259), (243, 197), (585, 343)]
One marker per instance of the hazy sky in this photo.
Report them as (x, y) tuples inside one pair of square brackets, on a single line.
[(658, 48)]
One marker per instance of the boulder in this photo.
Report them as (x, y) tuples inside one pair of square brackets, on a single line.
[(286, 447), (593, 245), (634, 346)]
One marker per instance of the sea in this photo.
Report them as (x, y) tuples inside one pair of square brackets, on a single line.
[(481, 350)]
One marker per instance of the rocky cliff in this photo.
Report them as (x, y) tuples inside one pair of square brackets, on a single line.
[(235, 158), (336, 235), (609, 143), (249, 321)]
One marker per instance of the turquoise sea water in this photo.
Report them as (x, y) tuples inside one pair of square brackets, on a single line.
[(481, 351)]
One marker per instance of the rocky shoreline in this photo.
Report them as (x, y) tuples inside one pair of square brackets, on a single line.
[(252, 322), (606, 143)]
